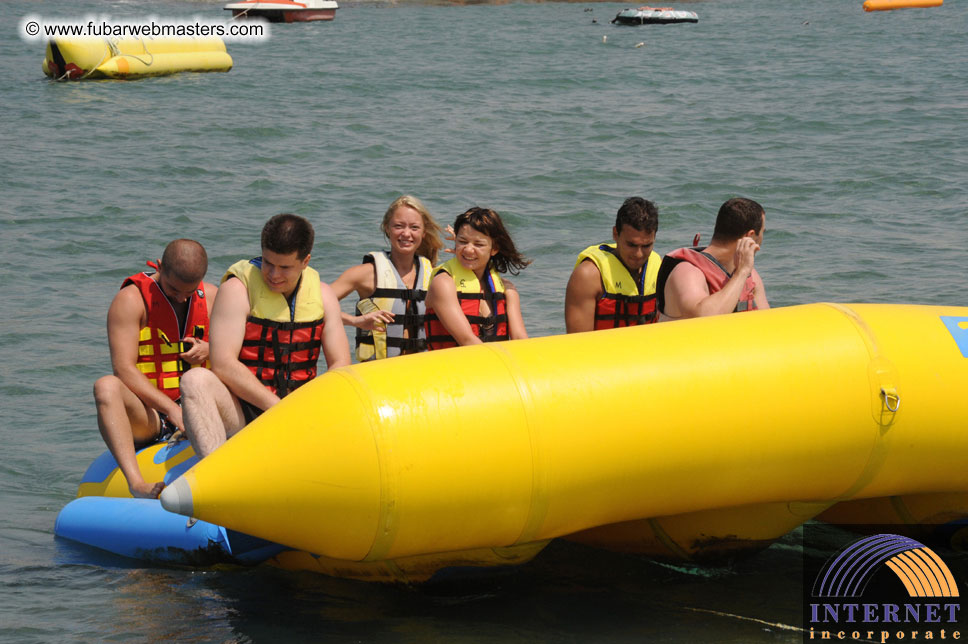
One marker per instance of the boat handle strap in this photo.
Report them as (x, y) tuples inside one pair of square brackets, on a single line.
[(891, 400)]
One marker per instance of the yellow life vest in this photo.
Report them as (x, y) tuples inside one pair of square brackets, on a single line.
[(282, 339), (492, 328), (407, 305), (626, 301)]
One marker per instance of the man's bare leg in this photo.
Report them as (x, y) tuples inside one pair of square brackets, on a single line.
[(123, 421), (210, 411)]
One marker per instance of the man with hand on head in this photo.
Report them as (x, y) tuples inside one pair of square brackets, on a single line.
[(272, 319), (158, 327), (720, 278)]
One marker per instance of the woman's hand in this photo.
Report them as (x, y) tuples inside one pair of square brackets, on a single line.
[(373, 321), (450, 236)]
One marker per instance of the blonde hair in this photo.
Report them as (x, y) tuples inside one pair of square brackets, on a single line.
[(432, 242)]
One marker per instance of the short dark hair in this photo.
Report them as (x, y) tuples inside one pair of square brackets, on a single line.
[(185, 260), (287, 233), (641, 214), (737, 217), (488, 222)]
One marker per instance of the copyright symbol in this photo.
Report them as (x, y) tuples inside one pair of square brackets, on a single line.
[(32, 28)]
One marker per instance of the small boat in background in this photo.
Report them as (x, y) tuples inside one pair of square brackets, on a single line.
[(284, 10), (654, 16)]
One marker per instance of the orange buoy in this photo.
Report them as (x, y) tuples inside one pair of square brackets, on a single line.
[(887, 5)]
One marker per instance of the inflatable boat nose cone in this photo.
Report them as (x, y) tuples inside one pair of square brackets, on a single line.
[(177, 497)]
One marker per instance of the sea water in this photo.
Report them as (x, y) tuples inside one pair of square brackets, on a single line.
[(848, 127)]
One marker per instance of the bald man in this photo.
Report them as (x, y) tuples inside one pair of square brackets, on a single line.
[(157, 329)]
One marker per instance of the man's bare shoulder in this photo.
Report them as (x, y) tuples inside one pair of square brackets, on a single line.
[(129, 300), (684, 289), (586, 276), (127, 310), (685, 273), (233, 297), (232, 285), (587, 267)]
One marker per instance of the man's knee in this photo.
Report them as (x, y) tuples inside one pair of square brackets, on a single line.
[(107, 389), (199, 382), (196, 380)]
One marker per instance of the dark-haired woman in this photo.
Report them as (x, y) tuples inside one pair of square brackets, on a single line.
[(468, 302)]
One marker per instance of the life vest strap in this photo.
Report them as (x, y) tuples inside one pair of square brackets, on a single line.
[(494, 295), (487, 319), (622, 316), (408, 319), (411, 294), (631, 299), (291, 366), (286, 348), (284, 326), (407, 344), (282, 386)]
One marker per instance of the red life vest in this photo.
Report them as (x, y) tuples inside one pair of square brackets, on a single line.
[(716, 276), (492, 328), (625, 301), (160, 342), (282, 340)]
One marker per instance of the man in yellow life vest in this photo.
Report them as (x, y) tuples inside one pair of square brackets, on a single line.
[(157, 330), (270, 322), (613, 285), (719, 278)]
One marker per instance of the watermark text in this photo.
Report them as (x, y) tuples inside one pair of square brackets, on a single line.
[(37, 28)]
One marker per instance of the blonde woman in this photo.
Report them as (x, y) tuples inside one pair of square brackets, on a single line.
[(392, 285)]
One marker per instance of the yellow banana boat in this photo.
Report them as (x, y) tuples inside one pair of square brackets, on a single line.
[(77, 58), (105, 523), (754, 422)]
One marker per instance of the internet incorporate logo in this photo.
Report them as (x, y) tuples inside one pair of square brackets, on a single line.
[(848, 575), (920, 570)]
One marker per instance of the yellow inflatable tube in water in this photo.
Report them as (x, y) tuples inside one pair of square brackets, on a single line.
[(517, 442), (134, 57), (887, 5)]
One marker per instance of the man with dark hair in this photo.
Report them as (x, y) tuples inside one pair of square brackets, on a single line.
[(285, 234), (269, 326), (719, 278), (157, 330), (613, 285)]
